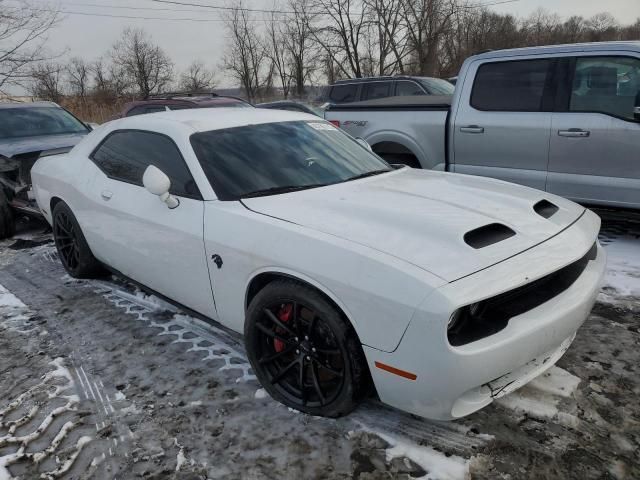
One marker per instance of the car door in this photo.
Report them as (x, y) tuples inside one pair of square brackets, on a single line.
[(503, 130), (137, 234), (595, 135)]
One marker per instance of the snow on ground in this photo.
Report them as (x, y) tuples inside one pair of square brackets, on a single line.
[(623, 268)]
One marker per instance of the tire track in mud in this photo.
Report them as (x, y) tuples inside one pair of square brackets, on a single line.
[(34, 441)]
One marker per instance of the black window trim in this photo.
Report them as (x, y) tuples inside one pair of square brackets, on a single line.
[(197, 196), (547, 93), (563, 100)]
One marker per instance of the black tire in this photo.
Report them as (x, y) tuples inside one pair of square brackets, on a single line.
[(7, 222), (318, 366), (73, 250)]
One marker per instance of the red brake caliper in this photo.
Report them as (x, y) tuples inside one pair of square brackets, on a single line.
[(284, 315)]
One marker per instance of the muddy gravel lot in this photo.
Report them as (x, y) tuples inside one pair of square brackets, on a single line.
[(99, 380)]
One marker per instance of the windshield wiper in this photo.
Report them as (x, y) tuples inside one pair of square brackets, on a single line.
[(284, 189), (368, 174)]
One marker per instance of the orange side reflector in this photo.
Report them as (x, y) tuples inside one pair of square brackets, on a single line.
[(396, 371)]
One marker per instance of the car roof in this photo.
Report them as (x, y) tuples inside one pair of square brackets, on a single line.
[(206, 119), (633, 46), (28, 105)]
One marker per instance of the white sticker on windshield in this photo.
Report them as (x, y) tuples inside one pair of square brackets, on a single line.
[(321, 126)]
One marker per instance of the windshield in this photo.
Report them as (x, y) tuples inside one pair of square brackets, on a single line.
[(277, 157), (438, 86), (35, 121)]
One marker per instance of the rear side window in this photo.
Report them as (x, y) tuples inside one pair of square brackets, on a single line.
[(516, 86), (124, 155), (343, 93), (609, 85), (374, 90), (407, 88)]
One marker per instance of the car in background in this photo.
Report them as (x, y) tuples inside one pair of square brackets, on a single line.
[(371, 88), (292, 106), (179, 101), (446, 291), (560, 118), (26, 131)]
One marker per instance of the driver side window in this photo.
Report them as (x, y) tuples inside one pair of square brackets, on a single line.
[(124, 155)]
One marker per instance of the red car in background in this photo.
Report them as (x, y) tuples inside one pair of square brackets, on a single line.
[(179, 101)]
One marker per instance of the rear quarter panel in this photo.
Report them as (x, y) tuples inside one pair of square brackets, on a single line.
[(422, 132)]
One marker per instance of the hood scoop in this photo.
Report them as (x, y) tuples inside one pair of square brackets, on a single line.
[(488, 235), (545, 208)]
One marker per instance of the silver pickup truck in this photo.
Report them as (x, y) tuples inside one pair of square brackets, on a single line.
[(565, 119)]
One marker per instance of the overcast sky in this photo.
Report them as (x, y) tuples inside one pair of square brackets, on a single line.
[(187, 40)]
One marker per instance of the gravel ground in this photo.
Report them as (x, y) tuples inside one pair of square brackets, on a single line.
[(98, 380)]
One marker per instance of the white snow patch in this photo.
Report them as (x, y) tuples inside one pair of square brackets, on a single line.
[(533, 402), (261, 393), (556, 381), (120, 396), (623, 267), (180, 460), (437, 465), (8, 299), (195, 403)]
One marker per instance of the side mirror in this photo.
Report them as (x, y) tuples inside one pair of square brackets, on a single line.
[(157, 183), (364, 143)]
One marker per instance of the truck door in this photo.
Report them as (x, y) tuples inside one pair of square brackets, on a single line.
[(595, 137), (502, 125)]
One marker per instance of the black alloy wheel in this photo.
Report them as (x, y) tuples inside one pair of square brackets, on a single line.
[(73, 250), (303, 352)]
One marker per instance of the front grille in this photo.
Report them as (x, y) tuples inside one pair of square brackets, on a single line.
[(488, 317)]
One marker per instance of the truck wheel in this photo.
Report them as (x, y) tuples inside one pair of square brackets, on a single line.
[(7, 223)]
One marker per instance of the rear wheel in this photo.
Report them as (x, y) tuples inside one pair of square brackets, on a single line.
[(303, 352), (73, 250), (7, 222)]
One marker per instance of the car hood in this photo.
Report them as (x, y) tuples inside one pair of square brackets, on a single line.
[(16, 146), (422, 217)]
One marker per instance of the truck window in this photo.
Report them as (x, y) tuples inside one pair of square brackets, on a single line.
[(408, 88), (343, 93), (515, 86), (609, 85), (374, 90)]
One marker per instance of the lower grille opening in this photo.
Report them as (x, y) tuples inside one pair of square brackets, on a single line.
[(479, 320)]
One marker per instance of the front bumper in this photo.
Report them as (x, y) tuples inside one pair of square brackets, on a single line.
[(451, 382)]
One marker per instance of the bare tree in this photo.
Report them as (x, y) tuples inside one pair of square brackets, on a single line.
[(390, 35), (274, 48), (23, 29), (298, 41), (244, 58), (426, 22), (197, 78), (47, 81), (145, 64), (78, 77), (602, 27), (341, 32)]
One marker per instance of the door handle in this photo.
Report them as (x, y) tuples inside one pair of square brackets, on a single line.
[(106, 195), (574, 133), (472, 129)]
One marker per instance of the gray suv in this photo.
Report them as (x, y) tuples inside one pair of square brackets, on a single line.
[(371, 88)]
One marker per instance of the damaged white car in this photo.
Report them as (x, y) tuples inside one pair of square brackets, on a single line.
[(441, 291)]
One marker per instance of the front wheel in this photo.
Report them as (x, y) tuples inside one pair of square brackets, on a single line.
[(73, 250), (303, 352)]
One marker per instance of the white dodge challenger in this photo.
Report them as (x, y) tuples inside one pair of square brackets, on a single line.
[(441, 291)]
